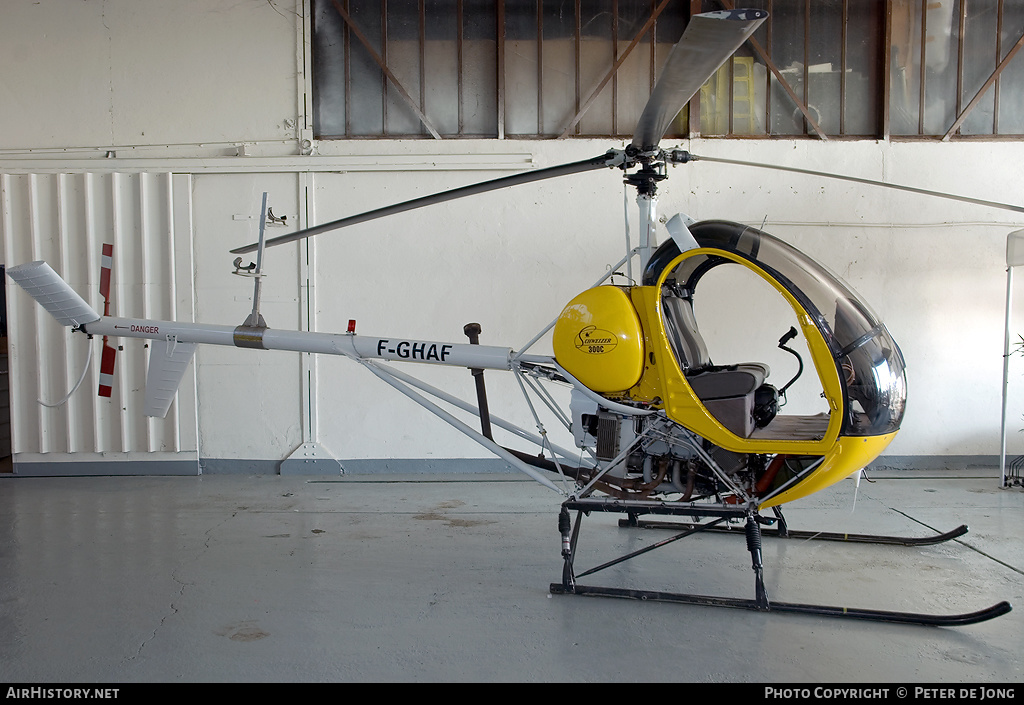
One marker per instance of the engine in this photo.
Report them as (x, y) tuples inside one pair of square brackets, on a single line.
[(657, 457)]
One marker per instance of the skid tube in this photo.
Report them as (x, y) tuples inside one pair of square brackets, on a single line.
[(782, 531), (570, 531)]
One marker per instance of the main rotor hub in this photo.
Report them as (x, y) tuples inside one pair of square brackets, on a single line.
[(646, 179)]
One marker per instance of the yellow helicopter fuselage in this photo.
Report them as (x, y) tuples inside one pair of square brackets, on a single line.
[(617, 341)]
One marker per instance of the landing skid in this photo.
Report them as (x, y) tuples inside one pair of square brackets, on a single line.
[(953, 620), (781, 530), (720, 514)]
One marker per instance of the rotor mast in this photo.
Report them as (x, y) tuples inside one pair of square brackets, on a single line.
[(645, 181)]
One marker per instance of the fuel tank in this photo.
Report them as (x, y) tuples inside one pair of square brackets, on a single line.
[(598, 339)]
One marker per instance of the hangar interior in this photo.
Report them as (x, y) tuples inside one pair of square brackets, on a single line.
[(292, 518)]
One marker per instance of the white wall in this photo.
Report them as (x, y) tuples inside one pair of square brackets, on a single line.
[(118, 72), (178, 86)]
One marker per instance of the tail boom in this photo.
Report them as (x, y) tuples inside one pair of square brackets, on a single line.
[(347, 344)]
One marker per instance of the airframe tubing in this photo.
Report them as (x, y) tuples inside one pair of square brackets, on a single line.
[(466, 406), (363, 347), (430, 406), (611, 272)]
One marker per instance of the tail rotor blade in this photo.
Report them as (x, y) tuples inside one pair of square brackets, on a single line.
[(109, 351), (107, 369), (709, 39), (609, 159), (106, 265)]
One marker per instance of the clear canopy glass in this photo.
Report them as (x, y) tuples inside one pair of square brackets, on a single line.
[(870, 364)]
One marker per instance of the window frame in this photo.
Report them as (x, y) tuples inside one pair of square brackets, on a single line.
[(645, 45)]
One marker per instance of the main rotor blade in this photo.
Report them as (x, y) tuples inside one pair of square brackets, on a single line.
[(870, 182), (710, 38), (609, 159)]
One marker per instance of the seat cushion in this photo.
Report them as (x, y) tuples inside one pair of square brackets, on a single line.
[(728, 382)]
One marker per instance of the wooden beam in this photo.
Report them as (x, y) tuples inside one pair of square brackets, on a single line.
[(383, 67), (615, 67), (977, 98), (501, 68), (886, 71)]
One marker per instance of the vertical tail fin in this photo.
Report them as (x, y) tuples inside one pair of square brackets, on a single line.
[(168, 360)]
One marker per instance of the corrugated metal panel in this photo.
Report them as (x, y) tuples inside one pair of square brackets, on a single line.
[(65, 219)]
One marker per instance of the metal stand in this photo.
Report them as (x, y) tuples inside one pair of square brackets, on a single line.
[(1014, 258), (752, 528), (1014, 475), (255, 319)]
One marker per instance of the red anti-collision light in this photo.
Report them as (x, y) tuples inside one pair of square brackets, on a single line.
[(352, 325)]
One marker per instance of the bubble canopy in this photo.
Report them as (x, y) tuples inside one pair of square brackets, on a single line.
[(870, 364)]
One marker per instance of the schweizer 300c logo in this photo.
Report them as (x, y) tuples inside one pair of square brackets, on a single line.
[(594, 341)]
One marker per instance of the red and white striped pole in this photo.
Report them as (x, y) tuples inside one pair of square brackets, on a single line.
[(109, 351)]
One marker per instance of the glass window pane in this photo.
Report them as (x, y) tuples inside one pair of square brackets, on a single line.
[(328, 72), (787, 34), (979, 62), (941, 58), (521, 61), (750, 111), (905, 67), (825, 64), (559, 67), (1011, 80), (441, 63), (749, 78), (367, 80), (633, 79), (480, 70), (403, 60), (865, 28), (596, 59)]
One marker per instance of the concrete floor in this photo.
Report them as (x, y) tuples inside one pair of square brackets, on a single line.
[(268, 578)]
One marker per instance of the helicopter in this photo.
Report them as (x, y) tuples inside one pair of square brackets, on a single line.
[(658, 427)]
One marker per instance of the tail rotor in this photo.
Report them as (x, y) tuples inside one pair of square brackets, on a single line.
[(106, 386)]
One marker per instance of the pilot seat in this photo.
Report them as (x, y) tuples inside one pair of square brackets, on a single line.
[(736, 395)]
